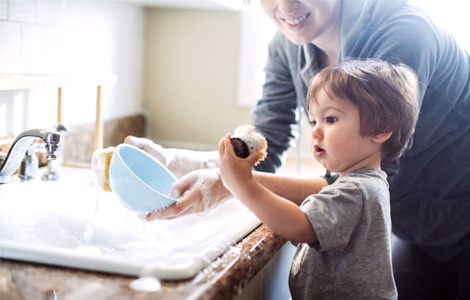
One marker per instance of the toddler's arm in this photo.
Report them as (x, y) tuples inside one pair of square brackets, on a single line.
[(283, 216)]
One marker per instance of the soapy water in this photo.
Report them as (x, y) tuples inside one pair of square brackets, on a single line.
[(73, 214), (146, 284)]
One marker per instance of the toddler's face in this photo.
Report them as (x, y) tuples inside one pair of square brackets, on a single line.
[(336, 140)]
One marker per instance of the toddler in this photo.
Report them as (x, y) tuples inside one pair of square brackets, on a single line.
[(362, 113)]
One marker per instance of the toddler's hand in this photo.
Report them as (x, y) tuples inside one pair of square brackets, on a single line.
[(235, 171)]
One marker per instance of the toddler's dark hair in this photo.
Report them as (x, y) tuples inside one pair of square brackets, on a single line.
[(385, 94)]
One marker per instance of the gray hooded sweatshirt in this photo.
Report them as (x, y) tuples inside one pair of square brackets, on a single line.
[(430, 184)]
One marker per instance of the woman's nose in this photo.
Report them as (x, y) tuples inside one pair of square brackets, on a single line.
[(288, 6)]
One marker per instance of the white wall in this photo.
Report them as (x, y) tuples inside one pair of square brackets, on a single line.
[(70, 36), (179, 66), (192, 79), (191, 76)]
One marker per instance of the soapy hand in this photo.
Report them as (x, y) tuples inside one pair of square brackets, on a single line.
[(235, 171), (202, 191), (179, 161)]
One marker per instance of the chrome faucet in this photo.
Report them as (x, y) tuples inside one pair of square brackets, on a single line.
[(21, 144), (53, 166)]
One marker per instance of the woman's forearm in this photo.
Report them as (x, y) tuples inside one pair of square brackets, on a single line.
[(291, 188)]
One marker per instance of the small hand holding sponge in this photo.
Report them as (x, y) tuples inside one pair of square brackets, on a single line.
[(100, 167), (246, 140)]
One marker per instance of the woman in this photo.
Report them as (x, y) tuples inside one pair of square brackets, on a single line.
[(429, 185)]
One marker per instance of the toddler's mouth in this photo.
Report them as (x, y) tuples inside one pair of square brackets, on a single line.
[(318, 151)]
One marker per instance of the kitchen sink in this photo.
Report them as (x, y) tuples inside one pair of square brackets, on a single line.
[(70, 223)]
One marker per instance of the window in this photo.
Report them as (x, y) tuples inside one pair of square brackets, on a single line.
[(255, 33), (452, 15), (257, 30)]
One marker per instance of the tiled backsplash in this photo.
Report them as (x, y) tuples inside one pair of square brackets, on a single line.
[(82, 37)]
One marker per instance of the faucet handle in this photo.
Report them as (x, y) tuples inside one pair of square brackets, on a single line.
[(62, 129)]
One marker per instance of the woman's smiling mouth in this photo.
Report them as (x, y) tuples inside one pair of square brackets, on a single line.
[(296, 21)]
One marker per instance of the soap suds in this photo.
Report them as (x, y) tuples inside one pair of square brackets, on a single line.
[(146, 284), (71, 214), (254, 140)]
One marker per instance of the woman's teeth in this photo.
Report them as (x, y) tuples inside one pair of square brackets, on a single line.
[(298, 20)]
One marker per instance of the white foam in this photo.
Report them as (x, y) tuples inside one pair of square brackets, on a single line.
[(71, 214), (146, 284), (253, 139)]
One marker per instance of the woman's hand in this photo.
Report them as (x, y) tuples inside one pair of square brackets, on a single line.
[(202, 191), (179, 161)]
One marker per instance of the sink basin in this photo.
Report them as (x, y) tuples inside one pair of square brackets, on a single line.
[(71, 223)]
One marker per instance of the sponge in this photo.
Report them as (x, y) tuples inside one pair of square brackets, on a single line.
[(100, 167), (246, 140)]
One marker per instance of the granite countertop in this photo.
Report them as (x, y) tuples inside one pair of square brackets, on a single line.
[(223, 279)]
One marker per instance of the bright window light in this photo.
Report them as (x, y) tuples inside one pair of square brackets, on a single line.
[(257, 30), (452, 15)]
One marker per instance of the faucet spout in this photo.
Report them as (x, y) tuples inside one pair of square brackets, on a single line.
[(20, 146)]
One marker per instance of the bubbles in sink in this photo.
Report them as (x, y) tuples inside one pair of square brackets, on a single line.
[(70, 213), (146, 284)]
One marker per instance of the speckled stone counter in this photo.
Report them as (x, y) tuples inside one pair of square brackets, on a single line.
[(225, 278)]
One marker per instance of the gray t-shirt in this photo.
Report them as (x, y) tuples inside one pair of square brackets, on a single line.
[(352, 258)]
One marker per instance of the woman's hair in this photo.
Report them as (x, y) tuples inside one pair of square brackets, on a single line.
[(386, 96)]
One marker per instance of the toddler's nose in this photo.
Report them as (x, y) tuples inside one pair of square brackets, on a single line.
[(317, 133)]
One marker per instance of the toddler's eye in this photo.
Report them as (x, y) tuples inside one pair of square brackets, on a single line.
[(313, 123), (331, 119)]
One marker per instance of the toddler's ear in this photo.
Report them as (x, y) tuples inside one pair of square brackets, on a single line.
[(382, 137)]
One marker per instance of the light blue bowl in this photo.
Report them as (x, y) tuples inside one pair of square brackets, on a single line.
[(140, 181)]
